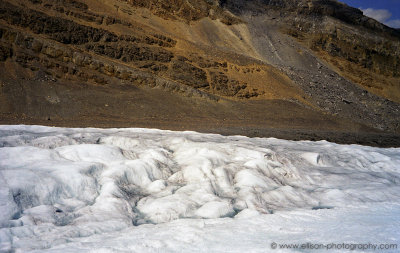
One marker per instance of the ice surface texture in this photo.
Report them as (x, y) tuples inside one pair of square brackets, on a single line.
[(60, 185)]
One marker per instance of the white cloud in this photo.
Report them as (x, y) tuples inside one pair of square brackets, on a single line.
[(382, 15), (395, 23)]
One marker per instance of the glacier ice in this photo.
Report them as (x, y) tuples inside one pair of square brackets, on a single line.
[(61, 186)]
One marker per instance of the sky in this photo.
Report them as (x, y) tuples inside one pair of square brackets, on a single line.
[(385, 11)]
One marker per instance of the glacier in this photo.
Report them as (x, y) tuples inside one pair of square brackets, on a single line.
[(149, 190)]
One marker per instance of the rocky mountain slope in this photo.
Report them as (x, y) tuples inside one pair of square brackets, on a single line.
[(284, 68)]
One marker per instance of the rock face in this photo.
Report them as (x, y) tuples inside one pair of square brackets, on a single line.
[(187, 10), (341, 42), (234, 61), (364, 50)]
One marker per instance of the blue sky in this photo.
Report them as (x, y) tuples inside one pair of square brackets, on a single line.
[(385, 11)]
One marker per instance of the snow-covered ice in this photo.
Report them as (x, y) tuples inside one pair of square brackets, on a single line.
[(147, 190)]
